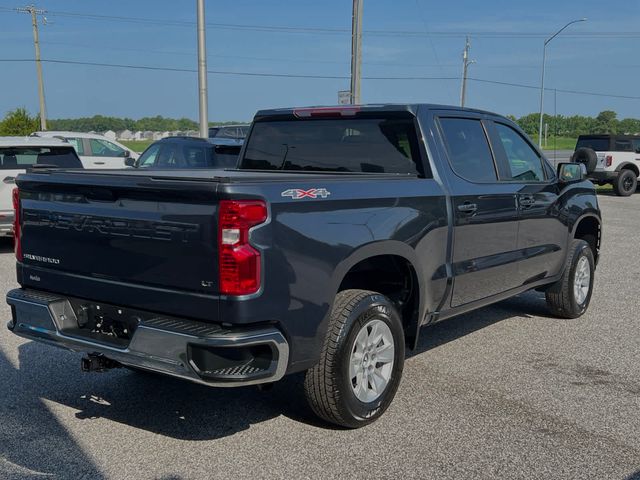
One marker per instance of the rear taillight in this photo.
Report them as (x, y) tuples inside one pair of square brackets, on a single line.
[(17, 245), (608, 160), (239, 261)]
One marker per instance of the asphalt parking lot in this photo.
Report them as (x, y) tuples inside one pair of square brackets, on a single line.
[(505, 392)]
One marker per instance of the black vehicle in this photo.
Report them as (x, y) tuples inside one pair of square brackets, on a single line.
[(341, 233), (237, 132), (188, 152)]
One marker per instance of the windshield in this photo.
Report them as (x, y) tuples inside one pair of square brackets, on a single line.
[(13, 158), (336, 145)]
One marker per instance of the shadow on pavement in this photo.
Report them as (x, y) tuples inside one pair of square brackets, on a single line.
[(527, 305), (187, 411), (6, 245), (34, 443), (159, 404)]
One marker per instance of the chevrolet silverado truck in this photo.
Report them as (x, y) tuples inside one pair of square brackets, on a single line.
[(342, 231)]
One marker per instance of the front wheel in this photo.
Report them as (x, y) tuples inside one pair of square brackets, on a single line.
[(569, 297), (361, 360), (626, 183)]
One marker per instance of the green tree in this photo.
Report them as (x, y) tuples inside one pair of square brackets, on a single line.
[(18, 122)]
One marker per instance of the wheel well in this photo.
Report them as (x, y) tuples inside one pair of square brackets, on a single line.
[(632, 167), (589, 230), (394, 277)]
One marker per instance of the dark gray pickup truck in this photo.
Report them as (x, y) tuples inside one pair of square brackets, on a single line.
[(342, 231)]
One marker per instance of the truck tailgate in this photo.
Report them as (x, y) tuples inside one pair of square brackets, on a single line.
[(130, 230)]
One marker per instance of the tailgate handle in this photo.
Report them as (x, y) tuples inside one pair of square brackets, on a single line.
[(9, 180), (468, 207)]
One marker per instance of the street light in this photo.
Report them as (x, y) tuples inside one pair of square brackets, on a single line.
[(544, 58)]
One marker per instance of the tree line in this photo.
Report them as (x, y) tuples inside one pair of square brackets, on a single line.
[(20, 122), (572, 126)]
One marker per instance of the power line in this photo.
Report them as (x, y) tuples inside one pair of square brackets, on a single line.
[(331, 31), (320, 77)]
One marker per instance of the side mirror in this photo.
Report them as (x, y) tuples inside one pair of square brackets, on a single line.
[(571, 172), (126, 154), (129, 162)]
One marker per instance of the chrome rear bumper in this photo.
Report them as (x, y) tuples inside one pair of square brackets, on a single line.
[(187, 349)]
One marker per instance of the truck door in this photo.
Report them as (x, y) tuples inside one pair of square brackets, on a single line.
[(484, 209), (542, 236)]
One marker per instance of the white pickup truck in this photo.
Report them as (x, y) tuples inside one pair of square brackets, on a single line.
[(613, 159), (17, 154)]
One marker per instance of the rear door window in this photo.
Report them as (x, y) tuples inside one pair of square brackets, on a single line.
[(636, 145), (103, 148), (623, 145), (372, 145), (468, 149), (77, 144)]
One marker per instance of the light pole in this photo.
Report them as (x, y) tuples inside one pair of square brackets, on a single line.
[(356, 51), (203, 98), (544, 58)]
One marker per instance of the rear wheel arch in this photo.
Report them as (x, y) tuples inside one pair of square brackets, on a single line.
[(629, 166), (389, 271)]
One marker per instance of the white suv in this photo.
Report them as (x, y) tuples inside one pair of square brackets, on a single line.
[(95, 151), (19, 153), (613, 159)]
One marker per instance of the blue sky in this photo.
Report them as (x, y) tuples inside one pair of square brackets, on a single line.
[(597, 63)]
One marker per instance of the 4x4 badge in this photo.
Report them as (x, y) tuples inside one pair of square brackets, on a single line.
[(298, 193)]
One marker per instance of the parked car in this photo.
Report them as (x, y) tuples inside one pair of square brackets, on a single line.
[(17, 154), (238, 132), (189, 152), (613, 159), (94, 150), (341, 233)]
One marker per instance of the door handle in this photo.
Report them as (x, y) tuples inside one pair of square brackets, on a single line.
[(468, 207), (527, 201)]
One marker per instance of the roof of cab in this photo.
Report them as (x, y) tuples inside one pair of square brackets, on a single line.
[(370, 108), (33, 142)]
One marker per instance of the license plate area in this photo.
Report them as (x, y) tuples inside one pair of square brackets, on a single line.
[(103, 323)]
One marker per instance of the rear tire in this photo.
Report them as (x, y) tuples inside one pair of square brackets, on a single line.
[(361, 360), (569, 297), (626, 183)]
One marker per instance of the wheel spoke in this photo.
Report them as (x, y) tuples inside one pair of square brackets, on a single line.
[(385, 354)]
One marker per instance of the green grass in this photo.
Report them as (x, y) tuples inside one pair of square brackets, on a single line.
[(561, 143), (136, 145)]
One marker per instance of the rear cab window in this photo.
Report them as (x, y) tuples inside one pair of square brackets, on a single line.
[(20, 158), (367, 145), (597, 143)]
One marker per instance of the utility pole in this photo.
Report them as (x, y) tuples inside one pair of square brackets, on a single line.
[(356, 51), (465, 66), (31, 9), (202, 72)]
